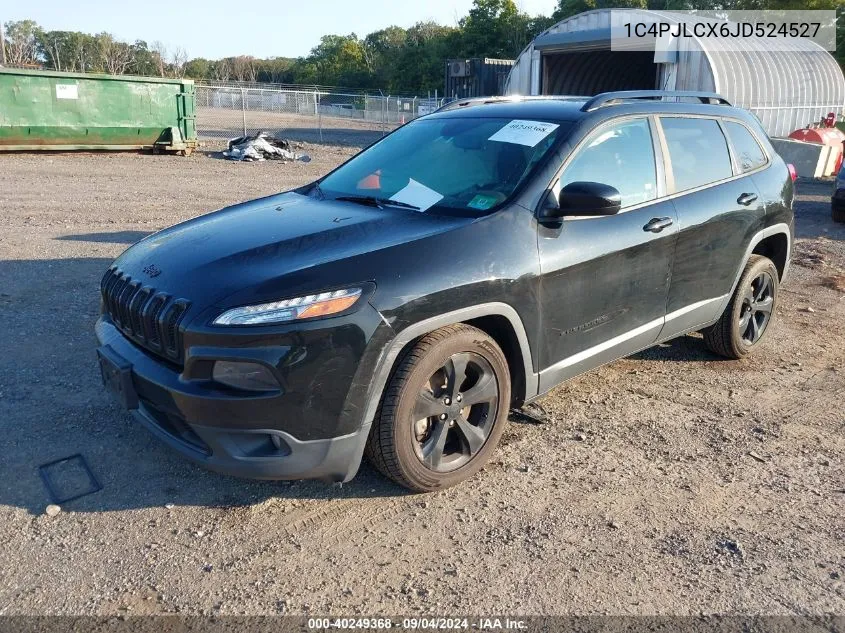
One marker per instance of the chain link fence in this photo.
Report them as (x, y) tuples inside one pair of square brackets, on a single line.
[(311, 115)]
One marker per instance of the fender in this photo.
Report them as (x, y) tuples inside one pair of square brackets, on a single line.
[(391, 352), (759, 237)]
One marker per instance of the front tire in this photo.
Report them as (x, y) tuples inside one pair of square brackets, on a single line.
[(443, 411), (748, 315), (838, 214)]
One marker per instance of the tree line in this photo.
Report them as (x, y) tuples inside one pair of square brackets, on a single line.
[(394, 59)]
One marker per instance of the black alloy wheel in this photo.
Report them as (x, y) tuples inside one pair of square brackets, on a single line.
[(748, 315), (756, 311), (452, 416), (443, 411)]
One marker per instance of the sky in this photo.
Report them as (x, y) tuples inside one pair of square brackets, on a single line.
[(222, 28)]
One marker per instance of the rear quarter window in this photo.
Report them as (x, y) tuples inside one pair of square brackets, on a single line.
[(747, 150), (698, 151)]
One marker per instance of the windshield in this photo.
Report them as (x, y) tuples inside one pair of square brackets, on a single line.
[(468, 165)]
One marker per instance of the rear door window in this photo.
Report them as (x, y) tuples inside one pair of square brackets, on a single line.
[(747, 150), (620, 155), (698, 151)]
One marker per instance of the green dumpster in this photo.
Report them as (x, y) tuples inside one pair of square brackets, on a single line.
[(63, 111)]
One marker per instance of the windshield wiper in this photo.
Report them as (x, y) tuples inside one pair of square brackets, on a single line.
[(372, 201)]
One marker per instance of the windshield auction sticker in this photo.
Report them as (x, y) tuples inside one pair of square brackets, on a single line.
[(524, 132)]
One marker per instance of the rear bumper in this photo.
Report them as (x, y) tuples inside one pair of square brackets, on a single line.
[(232, 434)]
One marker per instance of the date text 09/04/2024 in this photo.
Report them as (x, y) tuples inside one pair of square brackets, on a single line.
[(419, 624)]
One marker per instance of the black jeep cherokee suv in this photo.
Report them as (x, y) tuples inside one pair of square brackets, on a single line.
[(463, 265)]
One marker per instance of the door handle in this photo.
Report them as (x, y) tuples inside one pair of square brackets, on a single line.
[(655, 225), (746, 198)]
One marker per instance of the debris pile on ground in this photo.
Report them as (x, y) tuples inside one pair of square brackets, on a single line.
[(262, 146)]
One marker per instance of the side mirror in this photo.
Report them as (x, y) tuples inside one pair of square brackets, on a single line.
[(585, 198)]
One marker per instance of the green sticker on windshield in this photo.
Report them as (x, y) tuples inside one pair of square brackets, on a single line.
[(481, 202)]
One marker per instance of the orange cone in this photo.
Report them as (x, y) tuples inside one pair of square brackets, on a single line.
[(373, 181)]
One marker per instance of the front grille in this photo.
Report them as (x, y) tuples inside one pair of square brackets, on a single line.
[(148, 317)]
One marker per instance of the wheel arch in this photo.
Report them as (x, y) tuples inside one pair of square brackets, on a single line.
[(500, 329), (776, 248), (768, 239), (499, 320)]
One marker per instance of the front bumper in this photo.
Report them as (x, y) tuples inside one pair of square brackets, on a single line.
[(232, 452), (236, 434)]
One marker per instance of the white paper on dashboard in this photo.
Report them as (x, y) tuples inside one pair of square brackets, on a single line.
[(524, 132), (418, 195)]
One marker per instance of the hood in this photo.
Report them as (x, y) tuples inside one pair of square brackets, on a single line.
[(256, 243)]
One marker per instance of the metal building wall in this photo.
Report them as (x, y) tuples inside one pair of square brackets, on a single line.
[(786, 90), (519, 81), (691, 72)]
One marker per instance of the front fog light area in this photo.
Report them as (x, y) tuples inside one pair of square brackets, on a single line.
[(245, 376)]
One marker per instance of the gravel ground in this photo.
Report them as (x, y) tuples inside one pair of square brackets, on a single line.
[(668, 483)]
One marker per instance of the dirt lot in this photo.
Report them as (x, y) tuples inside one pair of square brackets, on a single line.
[(638, 495)]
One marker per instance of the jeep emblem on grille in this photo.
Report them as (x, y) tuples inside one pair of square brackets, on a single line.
[(152, 270)]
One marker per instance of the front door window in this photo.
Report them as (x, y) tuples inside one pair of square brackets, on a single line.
[(620, 155)]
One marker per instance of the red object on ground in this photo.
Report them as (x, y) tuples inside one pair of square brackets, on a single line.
[(824, 136), (819, 135)]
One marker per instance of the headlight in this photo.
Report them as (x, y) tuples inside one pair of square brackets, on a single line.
[(319, 305)]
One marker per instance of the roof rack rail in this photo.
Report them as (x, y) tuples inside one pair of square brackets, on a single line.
[(608, 98), (474, 101), (470, 101)]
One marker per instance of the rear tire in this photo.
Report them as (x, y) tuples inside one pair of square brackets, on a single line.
[(838, 215), (443, 411), (746, 320)]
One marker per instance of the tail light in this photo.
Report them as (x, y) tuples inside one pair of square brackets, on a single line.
[(792, 173)]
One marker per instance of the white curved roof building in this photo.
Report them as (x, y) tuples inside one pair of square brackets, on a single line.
[(786, 89)]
